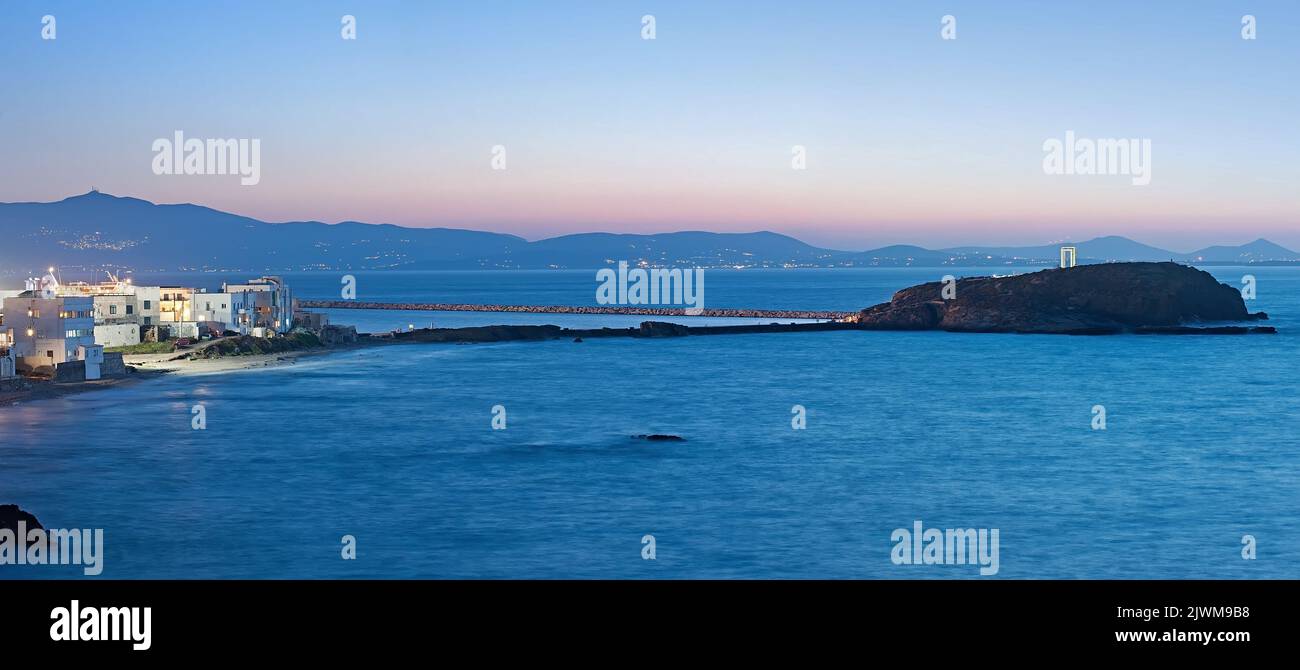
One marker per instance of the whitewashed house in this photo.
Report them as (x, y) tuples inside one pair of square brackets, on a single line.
[(263, 304), (48, 330), (213, 309)]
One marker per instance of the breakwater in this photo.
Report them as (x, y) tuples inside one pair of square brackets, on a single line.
[(739, 313), (646, 329), (655, 329)]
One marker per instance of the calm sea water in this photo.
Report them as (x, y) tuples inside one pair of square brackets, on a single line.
[(395, 446)]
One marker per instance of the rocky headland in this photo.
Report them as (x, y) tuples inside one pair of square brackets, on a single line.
[(1112, 298), (11, 514), (1144, 298)]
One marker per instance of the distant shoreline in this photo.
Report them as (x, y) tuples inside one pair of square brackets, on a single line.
[(97, 270)]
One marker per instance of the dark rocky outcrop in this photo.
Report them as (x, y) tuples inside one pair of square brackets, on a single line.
[(247, 345), (1143, 298), (1087, 299), (663, 329), (647, 329), (482, 334), (10, 515)]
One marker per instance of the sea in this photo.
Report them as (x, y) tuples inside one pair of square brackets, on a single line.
[(803, 454)]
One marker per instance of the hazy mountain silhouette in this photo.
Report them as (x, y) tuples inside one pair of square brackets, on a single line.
[(1253, 252), (97, 230), (1109, 248)]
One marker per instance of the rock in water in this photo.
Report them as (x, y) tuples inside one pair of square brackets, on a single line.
[(660, 438), (662, 329), (1110, 297), (10, 515)]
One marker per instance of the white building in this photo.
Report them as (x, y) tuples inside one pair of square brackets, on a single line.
[(147, 299), (121, 308), (48, 330), (213, 309), (176, 305), (263, 303), (8, 364)]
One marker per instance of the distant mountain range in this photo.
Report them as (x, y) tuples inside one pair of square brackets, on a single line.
[(99, 231)]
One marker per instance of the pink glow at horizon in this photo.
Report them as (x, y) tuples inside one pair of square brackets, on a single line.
[(831, 215)]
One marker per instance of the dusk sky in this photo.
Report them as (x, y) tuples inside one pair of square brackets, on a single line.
[(910, 138)]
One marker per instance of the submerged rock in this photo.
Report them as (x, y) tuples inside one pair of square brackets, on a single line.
[(1086, 299), (660, 438)]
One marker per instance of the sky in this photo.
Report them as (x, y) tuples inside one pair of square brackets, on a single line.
[(908, 137)]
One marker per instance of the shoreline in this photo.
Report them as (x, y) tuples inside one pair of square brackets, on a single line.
[(48, 390), (158, 366), (182, 365)]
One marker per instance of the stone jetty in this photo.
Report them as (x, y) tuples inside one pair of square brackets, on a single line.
[(739, 313)]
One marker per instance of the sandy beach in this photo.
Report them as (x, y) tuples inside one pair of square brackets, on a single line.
[(173, 363)]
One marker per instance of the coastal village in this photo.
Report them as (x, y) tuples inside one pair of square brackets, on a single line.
[(78, 332)]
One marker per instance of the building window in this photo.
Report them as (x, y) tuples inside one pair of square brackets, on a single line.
[(112, 309), (130, 309), (148, 320), (49, 353), (146, 304)]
